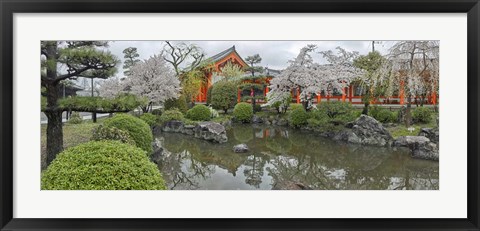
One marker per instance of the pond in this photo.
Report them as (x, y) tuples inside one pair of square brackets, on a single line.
[(280, 157)]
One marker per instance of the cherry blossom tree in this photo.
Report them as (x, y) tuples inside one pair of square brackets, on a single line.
[(111, 88), (153, 79), (312, 78), (415, 65)]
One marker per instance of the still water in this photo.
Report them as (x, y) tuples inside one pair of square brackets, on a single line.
[(280, 156)]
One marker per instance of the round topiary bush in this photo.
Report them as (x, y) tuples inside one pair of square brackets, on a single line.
[(102, 165), (199, 113), (243, 112), (298, 117), (149, 118), (111, 133), (172, 114), (422, 114), (138, 130)]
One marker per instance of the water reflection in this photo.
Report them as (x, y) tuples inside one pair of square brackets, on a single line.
[(280, 156)]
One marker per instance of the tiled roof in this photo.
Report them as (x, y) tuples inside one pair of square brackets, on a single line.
[(224, 54)]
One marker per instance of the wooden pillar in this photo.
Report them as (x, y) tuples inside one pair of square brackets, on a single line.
[(265, 91), (239, 95), (319, 97), (402, 93), (344, 95), (298, 95), (434, 98), (350, 93)]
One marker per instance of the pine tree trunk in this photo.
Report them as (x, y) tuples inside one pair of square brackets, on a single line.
[(54, 126)]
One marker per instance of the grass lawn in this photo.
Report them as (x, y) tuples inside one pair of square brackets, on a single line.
[(401, 130), (73, 134)]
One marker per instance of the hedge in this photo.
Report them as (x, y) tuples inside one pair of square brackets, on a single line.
[(149, 118), (172, 114), (138, 130), (243, 112), (199, 113), (102, 165)]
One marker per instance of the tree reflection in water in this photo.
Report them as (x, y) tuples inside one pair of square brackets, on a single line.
[(278, 155)]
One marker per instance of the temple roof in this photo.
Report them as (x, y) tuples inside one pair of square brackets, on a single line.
[(225, 53)]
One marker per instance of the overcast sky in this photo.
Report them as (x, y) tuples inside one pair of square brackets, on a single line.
[(275, 54)]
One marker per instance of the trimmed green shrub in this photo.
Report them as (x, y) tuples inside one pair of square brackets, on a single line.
[(243, 112), (111, 133), (180, 104), (422, 114), (224, 95), (75, 118), (138, 130), (294, 106), (102, 165), (338, 112), (172, 114), (383, 115), (199, 113), (298, 117), (149, 118)]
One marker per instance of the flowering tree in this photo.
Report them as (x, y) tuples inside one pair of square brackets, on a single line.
[(313, 78), (153, 79), (415, 65), (111, 88), (377, 78)]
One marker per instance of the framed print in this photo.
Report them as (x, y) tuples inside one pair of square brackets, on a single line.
[(245, 115)]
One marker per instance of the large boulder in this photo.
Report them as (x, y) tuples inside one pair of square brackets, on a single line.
[(211, 131), (239, 148), (420, 146), (173, 126), (256, 119), (431, 133), (366, 131)]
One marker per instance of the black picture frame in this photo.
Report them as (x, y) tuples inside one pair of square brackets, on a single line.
[(9, 7)]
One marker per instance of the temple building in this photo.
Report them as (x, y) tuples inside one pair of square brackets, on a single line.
[(352, 93), (219, 61)]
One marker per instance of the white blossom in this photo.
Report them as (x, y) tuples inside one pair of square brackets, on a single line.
[(313, 78), (154, 79), (416, 63), (110, 88)]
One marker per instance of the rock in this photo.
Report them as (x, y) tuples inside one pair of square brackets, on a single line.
[(240, 148), (290, 185), (366, 131), (173, 126), (431, 133), (211, 131), (427, 151), (282, 122), (267, 122), (420, 146), (156, 156), (188, 129), (256, 119), (410, 141), (156, 144)]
